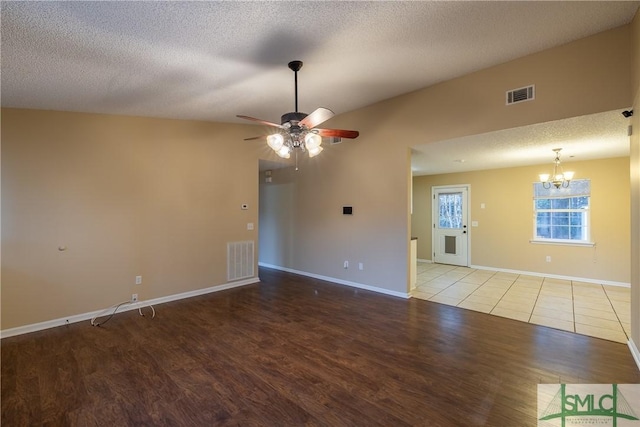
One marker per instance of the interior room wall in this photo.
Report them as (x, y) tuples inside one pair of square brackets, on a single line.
[(583, 77), (124, 196), (635, 191), (505, 226), (590, 75), (324, 237)]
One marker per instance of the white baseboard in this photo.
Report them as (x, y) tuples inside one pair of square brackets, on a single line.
[(555, 276), (338, 281), (552, 276), (134, 306), (634, 351)]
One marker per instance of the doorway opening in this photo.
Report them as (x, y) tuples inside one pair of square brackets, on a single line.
[(450, 238)]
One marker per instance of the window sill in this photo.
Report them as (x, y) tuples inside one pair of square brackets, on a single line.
[(562, 243)]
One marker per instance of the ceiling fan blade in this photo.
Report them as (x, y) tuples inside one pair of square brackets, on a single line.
[(319, 115), (264, 122), (340, 133), (255, 137)]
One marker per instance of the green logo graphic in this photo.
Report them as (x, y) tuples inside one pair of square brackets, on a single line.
[(588, 406)]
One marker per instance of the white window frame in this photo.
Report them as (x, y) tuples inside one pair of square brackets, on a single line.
[(562, 193)]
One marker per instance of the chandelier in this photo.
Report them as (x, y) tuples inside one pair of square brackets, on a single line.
[(559, 178)]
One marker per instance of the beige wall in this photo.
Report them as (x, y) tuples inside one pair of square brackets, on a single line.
[(585, 77), (317, 238), (126, 196), (635, 56), (505, 225), (635, 189)]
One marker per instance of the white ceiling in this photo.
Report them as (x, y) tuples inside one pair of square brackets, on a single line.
[(213, 60)]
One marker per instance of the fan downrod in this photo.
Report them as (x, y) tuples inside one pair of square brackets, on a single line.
[(295, 66)]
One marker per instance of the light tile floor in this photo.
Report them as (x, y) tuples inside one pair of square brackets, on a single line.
[(600, 311)]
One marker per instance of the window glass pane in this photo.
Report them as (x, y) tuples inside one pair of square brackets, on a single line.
[(559, 232), (576, 233), (543, 203), (576, 218), (543, 225), (560, 218), (560, 203), (450, 207), (543, 218), (580, 202), (543, 231)]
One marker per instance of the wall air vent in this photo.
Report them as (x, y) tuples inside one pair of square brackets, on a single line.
[(335, 140), (521, 95), (239, 260)]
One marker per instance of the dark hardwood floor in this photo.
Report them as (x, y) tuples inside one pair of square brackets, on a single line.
[(294, 351)]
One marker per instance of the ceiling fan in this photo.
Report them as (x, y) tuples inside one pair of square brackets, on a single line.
[(297, 130)]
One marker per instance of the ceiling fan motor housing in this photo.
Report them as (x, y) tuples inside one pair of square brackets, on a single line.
[(292, 117)]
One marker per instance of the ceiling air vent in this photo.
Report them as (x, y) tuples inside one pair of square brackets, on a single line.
[(520, 95)]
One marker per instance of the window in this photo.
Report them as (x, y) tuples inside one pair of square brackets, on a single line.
[(450, 205), (561, 215)]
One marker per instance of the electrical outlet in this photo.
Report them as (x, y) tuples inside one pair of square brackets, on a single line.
[(360, 266), (134, 297), (346, 264), (548, 258), (138, 280)]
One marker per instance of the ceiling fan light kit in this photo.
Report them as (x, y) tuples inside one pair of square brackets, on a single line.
[(297, 131)]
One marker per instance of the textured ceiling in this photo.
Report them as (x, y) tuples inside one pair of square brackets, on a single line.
[(589, 137), (213, 60)]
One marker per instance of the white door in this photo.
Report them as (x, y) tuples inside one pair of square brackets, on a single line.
[(450, 231)]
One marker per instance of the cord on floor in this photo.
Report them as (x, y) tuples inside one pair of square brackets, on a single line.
[(115, 308)]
